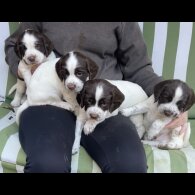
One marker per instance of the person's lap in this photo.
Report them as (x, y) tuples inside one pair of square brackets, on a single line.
[(47, 135)]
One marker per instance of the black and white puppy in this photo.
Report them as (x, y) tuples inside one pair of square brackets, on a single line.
[(170, 99), (59, 79), (101, 99), (32, 48)]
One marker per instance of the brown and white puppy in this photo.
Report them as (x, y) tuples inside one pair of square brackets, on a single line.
[(32, 48), (101, 99), (170, 99), (59, 79)]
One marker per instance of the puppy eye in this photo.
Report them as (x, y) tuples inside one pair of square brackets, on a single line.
[(102, 103), (90, 101), (79, 74), (180, 103)]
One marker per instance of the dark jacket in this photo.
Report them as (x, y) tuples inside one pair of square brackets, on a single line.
[(117, 47)]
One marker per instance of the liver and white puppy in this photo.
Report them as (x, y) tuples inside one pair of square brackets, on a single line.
[(32, 48), (101, 99), (170, 99), (57, 80)]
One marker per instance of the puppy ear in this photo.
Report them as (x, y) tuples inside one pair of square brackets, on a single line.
[(80, 97), (92, 68), (190, 101), (117, 99), (61, 72), (48, 45), (158, 88), (18, 49)]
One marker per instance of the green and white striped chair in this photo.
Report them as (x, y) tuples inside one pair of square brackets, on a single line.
[(171, 47)]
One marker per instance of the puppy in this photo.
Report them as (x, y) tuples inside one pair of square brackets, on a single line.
[(101, 99), (32, 48), (57, 80), (170, 99)]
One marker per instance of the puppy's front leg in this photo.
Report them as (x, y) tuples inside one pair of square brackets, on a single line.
[(64, 105), (90, 125), (20, 90), (156, 127), (81, 118), (25, 71), (27, 76)]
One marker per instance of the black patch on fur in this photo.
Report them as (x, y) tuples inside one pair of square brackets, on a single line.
[(111, 100), (60, 67), (165, 91), (85, 68), (88, 64), (43, 43)]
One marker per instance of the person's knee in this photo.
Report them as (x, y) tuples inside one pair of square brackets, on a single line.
[(125, 167), (45, 165)]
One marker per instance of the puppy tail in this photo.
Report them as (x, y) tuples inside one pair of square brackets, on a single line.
[(20, 110), (13, 88), (187, 135)]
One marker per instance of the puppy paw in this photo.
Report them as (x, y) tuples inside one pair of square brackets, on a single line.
[(75, 149), (151, 135), (174, 145), (163, 145), (89, 127), (67, 106), (15, 103)]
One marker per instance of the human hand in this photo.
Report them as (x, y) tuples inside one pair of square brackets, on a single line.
[(180, 121)]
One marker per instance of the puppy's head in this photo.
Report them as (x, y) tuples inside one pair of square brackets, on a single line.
[(173, 97), (74, 69), (33, 47), (98, 97)]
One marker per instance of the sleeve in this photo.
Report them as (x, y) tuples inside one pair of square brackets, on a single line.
[(10, 55), (133, 58)]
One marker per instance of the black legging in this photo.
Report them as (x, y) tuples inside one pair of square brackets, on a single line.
[(46, 134)]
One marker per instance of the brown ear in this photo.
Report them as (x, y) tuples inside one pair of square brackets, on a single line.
[(80, 97), (158, 88), (18, 49), (19, 46), (61, 72), (190, 101), (48, 45), (117, 99), (92, 68)]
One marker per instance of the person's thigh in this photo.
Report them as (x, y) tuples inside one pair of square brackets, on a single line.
[(116, 147), (46, 134)]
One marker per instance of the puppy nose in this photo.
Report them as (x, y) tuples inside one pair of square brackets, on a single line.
[(168, 113), (94, 116), (71, 86), (31, 58)]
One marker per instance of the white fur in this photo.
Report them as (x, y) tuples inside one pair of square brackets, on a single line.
[(24, 69), (72, 63), (155, 122), (172, 105), (29, 40), (45, 87), (133, 94)]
